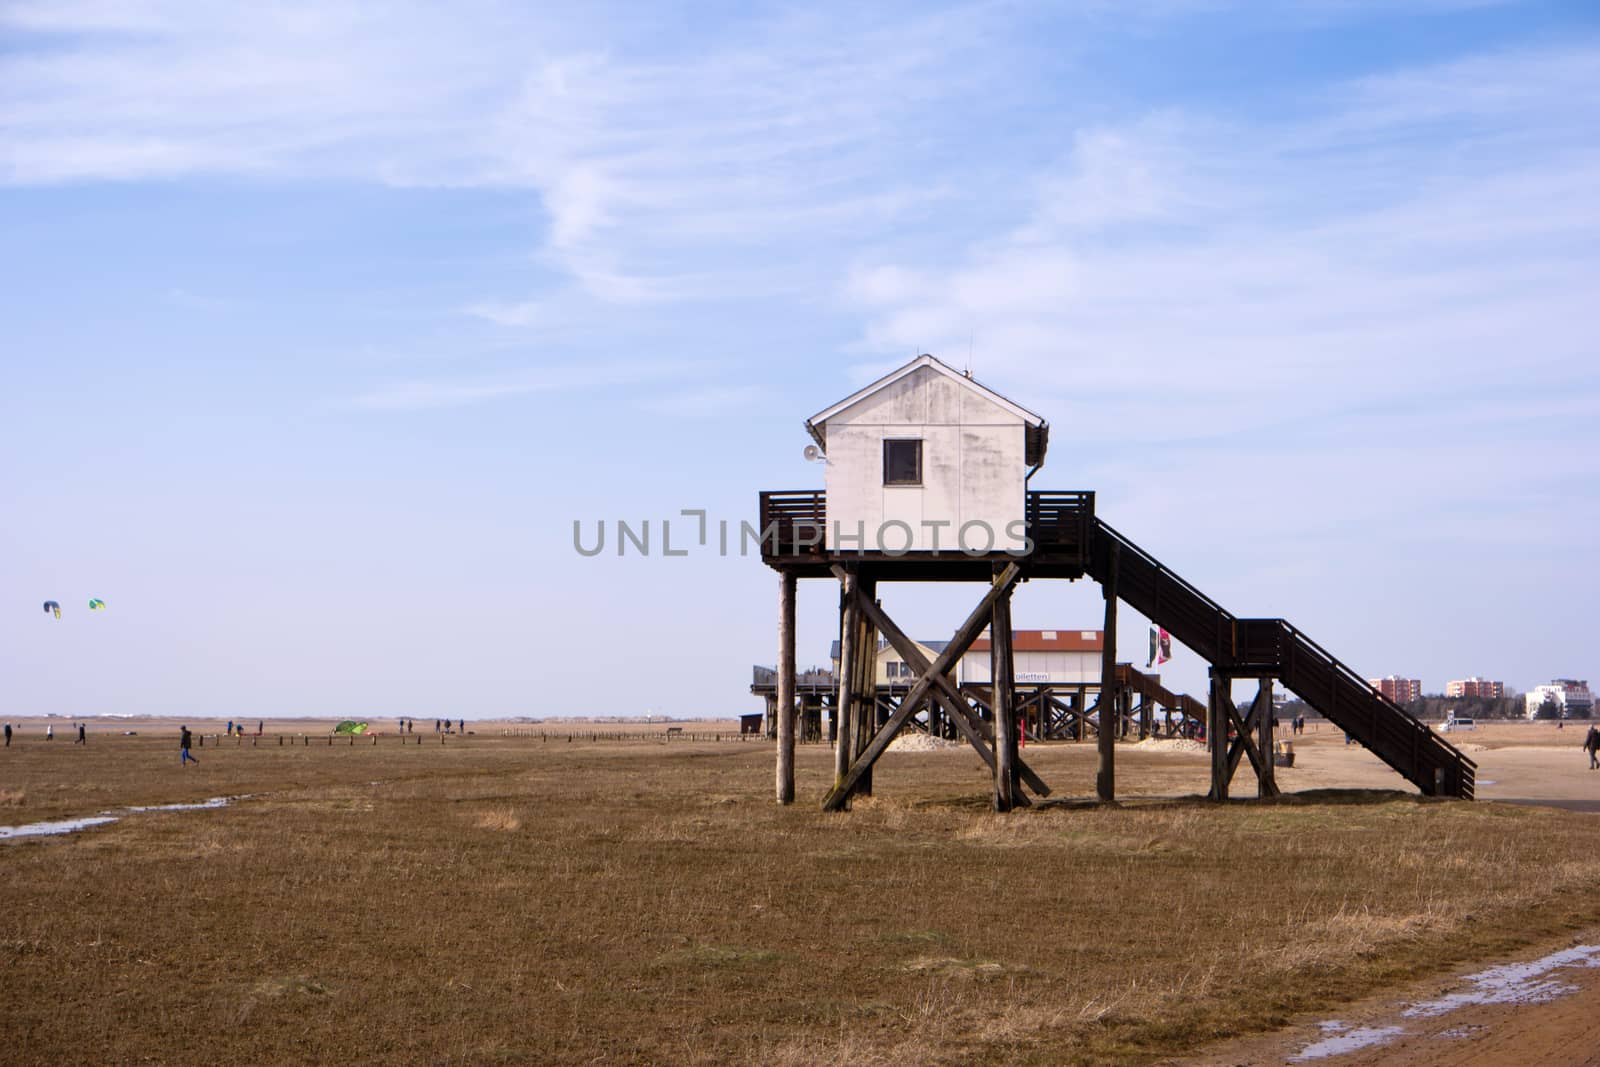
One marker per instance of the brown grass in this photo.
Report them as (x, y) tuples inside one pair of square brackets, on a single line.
[(12, 798), (514, 901)]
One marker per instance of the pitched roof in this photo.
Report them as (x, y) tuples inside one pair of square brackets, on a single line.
[(1037, 429), (935, 646), (1021, 641), (1050, 641)]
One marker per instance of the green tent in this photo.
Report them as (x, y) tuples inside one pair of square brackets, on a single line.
[(350, 726)]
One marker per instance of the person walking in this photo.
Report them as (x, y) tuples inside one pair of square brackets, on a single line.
[(82, 737), (184, 741), (1591, 744), (461, 727), (50, 732)]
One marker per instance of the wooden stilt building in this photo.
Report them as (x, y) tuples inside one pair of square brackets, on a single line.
[(927, 481)]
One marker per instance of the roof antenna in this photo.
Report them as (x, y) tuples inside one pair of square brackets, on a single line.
[(970, 335)]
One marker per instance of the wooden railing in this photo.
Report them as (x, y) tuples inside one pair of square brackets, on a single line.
[(794, 522)]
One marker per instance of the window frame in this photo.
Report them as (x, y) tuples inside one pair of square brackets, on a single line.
[(916, 482)]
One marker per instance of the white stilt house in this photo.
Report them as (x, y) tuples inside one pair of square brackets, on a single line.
[(927, 481), (927, 460)]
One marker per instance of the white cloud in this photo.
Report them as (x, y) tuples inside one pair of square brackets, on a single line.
[(704, 152), (1281, 262)]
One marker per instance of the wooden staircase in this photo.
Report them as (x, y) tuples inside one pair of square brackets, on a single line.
[(1272, 647)]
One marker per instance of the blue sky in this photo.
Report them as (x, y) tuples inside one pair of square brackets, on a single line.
[(321, 325)]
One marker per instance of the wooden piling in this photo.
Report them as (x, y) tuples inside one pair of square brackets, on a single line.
[(786, 672), (1266, 775), (844, 703), (1106, 774), (866, 694), (1001, 672), (1217, 732)]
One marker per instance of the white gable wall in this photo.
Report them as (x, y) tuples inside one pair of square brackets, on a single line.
[(973, 464)]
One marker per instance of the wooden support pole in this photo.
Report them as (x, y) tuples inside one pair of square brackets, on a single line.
[(1217, 733), (785, 772), (1106, 775), (1003, 704), (866, 699), (844, 703), (1266, 774)]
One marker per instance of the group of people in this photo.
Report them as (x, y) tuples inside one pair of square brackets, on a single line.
[(238, 727), (409, 726), (50, 733)]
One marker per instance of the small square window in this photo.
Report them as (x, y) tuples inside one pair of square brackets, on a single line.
[(902, 462)]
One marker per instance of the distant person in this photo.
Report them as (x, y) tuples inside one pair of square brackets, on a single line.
[(260, 725), (82, 737), (184, 741), (8, 735), (50, 732), (461, 726), (230, 727), (1591, 745), (435, 725)]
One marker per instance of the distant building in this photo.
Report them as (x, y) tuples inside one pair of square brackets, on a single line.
[(1398, 689), (1056, 657), (1475, 687), (892, 669), (1571, 695)]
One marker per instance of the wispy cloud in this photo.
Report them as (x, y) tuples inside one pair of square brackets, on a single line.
[(1185, 255), (772, 128)]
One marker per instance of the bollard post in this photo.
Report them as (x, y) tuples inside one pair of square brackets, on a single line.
[(202, 740), (280, 740)]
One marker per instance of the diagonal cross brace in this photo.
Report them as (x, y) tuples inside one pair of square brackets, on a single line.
[(930, 676), (931, 682), (947, 695), (1243, 744)]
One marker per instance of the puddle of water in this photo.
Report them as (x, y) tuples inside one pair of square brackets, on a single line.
[(1533, 982), (214, 802), (1342, 1038), (60, 826), (1514, 983), (68, 826)]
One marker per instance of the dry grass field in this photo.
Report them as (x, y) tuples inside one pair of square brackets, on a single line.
[(510, 900)]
